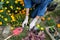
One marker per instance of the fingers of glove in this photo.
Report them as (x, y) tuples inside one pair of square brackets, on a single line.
[(23, 25), (32, 25), (26, 23)]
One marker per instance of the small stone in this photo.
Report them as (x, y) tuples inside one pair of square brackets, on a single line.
[(1, 29), (6, 31)]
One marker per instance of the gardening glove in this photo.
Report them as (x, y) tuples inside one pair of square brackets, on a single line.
[(25, 21), (33, 23), (37, 23)]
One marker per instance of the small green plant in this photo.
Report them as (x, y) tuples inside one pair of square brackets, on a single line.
[(50, 22)]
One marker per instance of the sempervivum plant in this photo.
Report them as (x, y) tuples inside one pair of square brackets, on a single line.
[(33, 36), (50, 22)]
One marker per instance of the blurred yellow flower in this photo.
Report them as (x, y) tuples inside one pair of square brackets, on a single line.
[(12, 28), (5, 7), (23, 12), (7, 2), (42, 28), (9, 11), (13, 18), (1, 11), (22, 3), (20, 0), (37, 25), (48, 18), (0, 23), (5, 19), (16, 11), (19, 11), (2, 0), (42, 18), (17, 8), (11, 7), (16, 2), (58, 25), (2, 16)]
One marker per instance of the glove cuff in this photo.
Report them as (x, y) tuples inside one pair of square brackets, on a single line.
[(35, 20), (26, 17)]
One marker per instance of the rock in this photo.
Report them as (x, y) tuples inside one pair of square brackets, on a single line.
[(1, 29), (6, 31)]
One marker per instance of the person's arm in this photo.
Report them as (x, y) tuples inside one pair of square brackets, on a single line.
[(27, 11), (27, 5), (26, 18)]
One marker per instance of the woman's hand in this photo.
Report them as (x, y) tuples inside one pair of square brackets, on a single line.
[(25, 21), (33, 23)]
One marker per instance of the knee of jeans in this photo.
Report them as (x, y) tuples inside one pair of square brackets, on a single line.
[(33, 16), (40, 14)]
